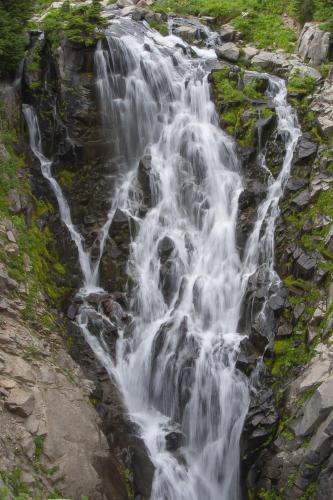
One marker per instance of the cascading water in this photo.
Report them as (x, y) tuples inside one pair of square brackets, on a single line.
[(177, 370)]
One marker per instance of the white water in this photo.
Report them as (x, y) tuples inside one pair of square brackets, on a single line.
[(177, 371)]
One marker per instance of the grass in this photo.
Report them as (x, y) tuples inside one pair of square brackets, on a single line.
[(262, 25), (159, 26)]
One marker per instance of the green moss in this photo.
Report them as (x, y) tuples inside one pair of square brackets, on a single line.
[(289, 353), (306, 395), (126, 475), (269, 495), (66, 178)]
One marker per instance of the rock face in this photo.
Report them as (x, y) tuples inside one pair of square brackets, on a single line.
[(228, 51), (313, 44), (322, 105), (45, 411)]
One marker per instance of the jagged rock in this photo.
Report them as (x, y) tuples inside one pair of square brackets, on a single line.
[(174, 440), (114, 277), (20, 402), (306, 149), (302, 199), (6, 282), (269, 61), (298, 310), (228, 33), (304, 266), (144, 173), (228, 51), (316, 409), (249, 52), (303, 70), (165, 248), (188, 33), (313, 44)]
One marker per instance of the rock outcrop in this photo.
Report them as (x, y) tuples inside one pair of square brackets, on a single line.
[(314, 44)]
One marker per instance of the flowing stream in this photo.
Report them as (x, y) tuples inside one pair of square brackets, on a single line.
[(177, 369)]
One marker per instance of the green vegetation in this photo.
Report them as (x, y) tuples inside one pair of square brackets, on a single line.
[(79, 24), (32, 262), (14, 15), (14, 484), (262, 24), (159, 26), (32, 353), (238, 109), (301, 85)]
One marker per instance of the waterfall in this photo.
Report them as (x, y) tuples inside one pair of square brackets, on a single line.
[(177, 370)]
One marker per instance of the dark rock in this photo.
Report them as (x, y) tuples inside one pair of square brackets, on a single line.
[(306, 149), (72, 311), (302, 199), (174, 440), (165, 248), (304, 266)]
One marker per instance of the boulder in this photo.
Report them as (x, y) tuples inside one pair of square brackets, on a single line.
[(316, 409), (303, 70), (228, 51), (313, 44), (306, 149), (249, 52), (228, 33), (188, 33), (21, 402), (174, 440), (269, 61), (304, 266), (302, 199)]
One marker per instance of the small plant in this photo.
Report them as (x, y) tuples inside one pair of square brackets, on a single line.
[(32, 353)]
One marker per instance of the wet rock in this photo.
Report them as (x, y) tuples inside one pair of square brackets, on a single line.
[(174, 440), (247, 357), (20, 402), (144, 173), (188, 33), (114, 276), (228, 51), (259, 81), (124, 436), (165, 248), (313, 44)]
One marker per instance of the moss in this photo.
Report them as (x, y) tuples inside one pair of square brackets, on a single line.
[(233, 103), (289, 353), (66, 178), (126, 475), (306, 395)]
